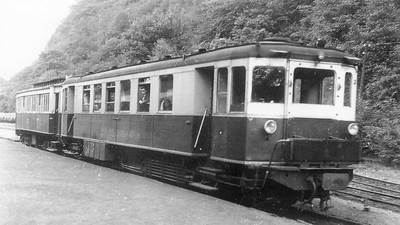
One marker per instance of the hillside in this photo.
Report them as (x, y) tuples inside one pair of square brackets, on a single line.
[(99, 34)]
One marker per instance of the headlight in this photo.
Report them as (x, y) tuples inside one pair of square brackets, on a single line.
[(353, 129), (270, 126)]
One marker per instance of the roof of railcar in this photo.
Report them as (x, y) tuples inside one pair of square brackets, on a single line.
[(39, 88), (269, 49), (42, 85)]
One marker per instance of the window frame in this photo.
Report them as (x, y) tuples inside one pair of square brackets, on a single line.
[(252, 87), (129, 81), (109, 86), (350, 90), (334, 93), (146, 82), (159, 94), (218, 93), (86, 88), (230, 83), (94, 98), (65, 99)]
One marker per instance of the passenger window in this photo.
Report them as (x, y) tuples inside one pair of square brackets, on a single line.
[(32, 103), (46, 102), (24, 104), (40, 108), (313, 86), (125, 95), (347, 89), (268, 84), (166, 88), (43, 107), (143, 95), (110, 96), (35, 103), (238, 89), (86, 98), (97, 98), (28, 103), (65, 94), (222, 89)]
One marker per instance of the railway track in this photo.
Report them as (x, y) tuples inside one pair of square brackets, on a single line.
[(373, 192)]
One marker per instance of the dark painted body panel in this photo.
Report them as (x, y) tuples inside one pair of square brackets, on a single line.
[(244, 139), (39, 122), (322, 150), (82, 125), (260, 144), (173, 132), (103, 127), (317, 128), (229, 137), (168, 132), (232, 138)]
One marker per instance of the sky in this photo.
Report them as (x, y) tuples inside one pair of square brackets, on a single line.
[(25, 28)]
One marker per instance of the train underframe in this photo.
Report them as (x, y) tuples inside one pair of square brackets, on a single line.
[(283, 183), (280, 183)]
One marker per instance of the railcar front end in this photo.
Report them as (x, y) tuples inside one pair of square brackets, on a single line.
[(37, 113), (298, 135)]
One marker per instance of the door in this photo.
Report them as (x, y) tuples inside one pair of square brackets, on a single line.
[(204, 78), (57, 117)]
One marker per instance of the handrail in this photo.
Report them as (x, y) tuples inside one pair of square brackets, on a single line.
[(201, 126), (70, 124), (267, 171)]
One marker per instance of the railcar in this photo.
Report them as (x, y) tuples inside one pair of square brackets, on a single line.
[(37, 113), (274, 118)]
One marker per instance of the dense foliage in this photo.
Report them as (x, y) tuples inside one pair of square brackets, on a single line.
[(100, 34)]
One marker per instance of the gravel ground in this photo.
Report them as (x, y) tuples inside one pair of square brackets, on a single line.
[(378, 171), (7, 131), (355, 211), (38, 187)]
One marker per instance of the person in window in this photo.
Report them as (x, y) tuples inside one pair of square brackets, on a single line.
[(144, 100), (165, 105)]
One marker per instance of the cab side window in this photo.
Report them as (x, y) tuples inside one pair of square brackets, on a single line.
[(222, 89), (238, 89), (347, 89)]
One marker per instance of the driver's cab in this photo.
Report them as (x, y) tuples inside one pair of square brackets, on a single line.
[(273, 99)]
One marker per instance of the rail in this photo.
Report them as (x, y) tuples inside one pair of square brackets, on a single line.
[(374, 192)]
